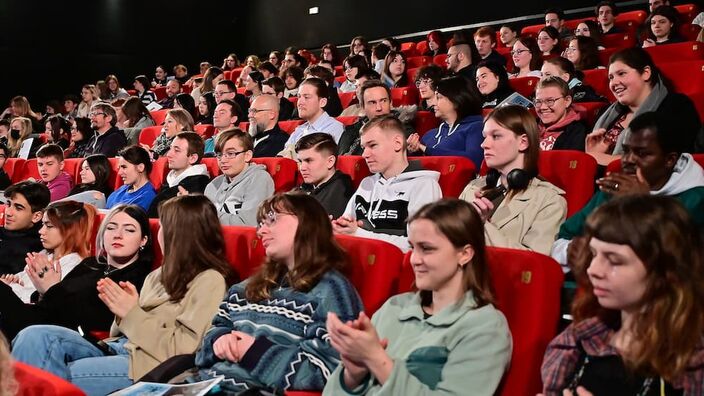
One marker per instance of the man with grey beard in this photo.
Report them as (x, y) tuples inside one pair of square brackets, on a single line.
[(264, 129)]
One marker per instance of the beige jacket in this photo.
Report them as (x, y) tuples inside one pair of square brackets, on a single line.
[(530, 220), (158, 329)]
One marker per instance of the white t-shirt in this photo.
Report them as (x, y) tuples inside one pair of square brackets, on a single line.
[(67, 263)]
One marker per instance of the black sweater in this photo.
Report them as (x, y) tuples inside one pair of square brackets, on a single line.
[(333, 194), (70, 303)]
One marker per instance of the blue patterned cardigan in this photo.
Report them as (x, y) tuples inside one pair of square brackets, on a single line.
[(291, 349)]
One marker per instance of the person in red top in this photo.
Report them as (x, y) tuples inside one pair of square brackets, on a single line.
[(50, 163), (639, 319)]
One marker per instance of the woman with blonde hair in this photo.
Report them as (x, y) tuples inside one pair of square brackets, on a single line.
[(520, 210), (21, 130), (447, 337), (270, 329), (639, 319), (176, 121), (89, 96)]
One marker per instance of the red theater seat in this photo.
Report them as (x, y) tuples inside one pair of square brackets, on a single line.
[(688, 78), (409, 49), (440, 60), (72, 166), (619, 40), (282, 170), (160, 168), (355, 166), (375, 268), (159, 116), (347, 120), (689, 50), (160, 92), (634, 17), (13, 168), (590, 110), (524, 85), (290, 126), (212, 164), (28, 170), (243, 250), (455, 172), (421, 47), (418, 61), (404, 96), (687, 12), (527, 291), (206, 131), (425, 121), (149, 134), (35, 382), (689, 31), (346, 98), (532, 30), (598, 79)]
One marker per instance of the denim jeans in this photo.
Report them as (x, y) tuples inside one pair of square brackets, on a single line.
[(63, 352)]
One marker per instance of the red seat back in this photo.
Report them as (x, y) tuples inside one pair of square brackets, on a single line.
[(687, 12), (619, 40), (404, 96), (524, 85), (243, 250), (2, 215), (212, 164), (29, 169), (282, 170), (160, 168), (421, 47), (347, 120), (115, 180), (590, 110), (425, 121), (689, 31), (440, 60), (355, 166), (160, 92), (408, 48), (346, 98), (605, 54), (598, 79), (375, 269), (687, 77), (688, 50), (206, 131), (290, 126), (13, 168), (159, 116), (532, 30), (572, 171), (455, 172), (526, 289), (635, 17), (35, 382), (72, 166), (149, 134), (418, 61)]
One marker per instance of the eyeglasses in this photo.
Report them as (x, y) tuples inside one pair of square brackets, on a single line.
[(255, 111), (270, 218), (519, 51), (548, 102), (229, 154), (422, 81), (95, 114), (221, 93)]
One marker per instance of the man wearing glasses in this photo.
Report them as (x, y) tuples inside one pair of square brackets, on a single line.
[(227, 90), (269, 139), (242, 186), (107, 138)]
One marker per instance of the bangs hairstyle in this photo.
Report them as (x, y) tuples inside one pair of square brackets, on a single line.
[(465, 97), (315, 249), (536, 59), (138, 214), (520, 121), (555, 82), (74, 220), (639, 59), (670, 323), (193, 242), (460, 223), (235, 133)]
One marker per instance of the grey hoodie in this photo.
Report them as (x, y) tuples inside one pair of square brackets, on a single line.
[(237, 200)]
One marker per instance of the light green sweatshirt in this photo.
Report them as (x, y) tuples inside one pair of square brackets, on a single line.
[(461, 350)]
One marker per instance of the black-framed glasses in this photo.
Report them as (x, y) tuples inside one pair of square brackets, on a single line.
[(255, 111), (229, 154), (519, 51), (95, 114), (548, 102), (422, 81)]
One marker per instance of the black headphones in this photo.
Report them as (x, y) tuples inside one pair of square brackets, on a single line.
[(517, 179)]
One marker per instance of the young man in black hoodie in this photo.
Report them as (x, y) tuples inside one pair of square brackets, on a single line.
[(23, 218), (317, 156), (108, 139)]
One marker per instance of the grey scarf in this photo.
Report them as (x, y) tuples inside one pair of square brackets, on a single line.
[(616, 110)]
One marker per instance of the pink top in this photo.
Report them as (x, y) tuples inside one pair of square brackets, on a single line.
[(60, 186)]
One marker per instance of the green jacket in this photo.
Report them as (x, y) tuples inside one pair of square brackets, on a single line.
[(460, 350), (692, 200)]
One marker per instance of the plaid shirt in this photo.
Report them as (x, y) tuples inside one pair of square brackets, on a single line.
[(563, 358)]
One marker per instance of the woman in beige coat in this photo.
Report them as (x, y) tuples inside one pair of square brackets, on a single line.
[(520, 210), (168, 317)]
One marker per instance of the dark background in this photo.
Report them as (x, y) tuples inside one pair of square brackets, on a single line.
[(50, 48)]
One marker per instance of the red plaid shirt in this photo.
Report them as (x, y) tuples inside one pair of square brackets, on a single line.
[(563, 357)]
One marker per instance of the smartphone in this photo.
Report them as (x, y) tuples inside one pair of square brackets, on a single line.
[(105, 348)]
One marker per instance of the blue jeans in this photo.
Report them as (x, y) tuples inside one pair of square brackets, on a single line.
[(63, 352)]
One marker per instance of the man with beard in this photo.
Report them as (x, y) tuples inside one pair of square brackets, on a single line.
[(108, 139), (264, 129)]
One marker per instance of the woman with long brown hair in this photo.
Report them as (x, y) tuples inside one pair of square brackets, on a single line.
[(270, 329), (639, 319), (168, 317), (447, 335)]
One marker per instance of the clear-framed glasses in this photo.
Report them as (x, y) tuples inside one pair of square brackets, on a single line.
[(422, 81), (270, 218), (519, 51), (229, 154), (252, 110), (95, 114), (548, 102)]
